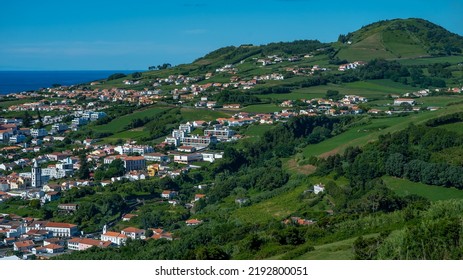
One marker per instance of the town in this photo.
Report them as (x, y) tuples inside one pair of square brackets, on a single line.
[(44, 158)]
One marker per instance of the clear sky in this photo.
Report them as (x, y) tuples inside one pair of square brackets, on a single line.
[(132, 35)]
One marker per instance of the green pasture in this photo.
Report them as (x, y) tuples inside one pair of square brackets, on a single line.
[(404, 187), (118, 124)]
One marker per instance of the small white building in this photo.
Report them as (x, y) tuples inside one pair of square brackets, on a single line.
[(113, 237), (134, 233), (318, 188), (400, 101)]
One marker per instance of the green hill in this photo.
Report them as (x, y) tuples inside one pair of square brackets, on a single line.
[(399, 38), (233, 55)]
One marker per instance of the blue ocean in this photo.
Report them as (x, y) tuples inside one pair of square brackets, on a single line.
[(18, 81)]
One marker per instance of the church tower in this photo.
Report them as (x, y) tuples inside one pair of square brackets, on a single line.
[(36, 175)]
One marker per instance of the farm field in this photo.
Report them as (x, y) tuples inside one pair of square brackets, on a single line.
[(118, 124), (133, 134), (404, 187), (362, 134), (193, 114), (6, 104), (257, 130), (430, 60), (262, 108), (373, 89), (457, 127)]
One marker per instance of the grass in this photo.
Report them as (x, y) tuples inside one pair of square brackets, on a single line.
[(434, 193), (439, 101), (278, 207), (257, 130), (6, 104), (367, 49), (456, 127), (295, 95), (402, 45), (193, 114), (364, 133), (373, 89), (341, 250), (262, 108), (118, 124), (132, 134), (431, 60)]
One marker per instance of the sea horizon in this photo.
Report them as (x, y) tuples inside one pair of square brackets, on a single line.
[(15, 81)]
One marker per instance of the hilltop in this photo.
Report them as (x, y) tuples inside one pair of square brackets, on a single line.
[(409, 41), (399, 38)]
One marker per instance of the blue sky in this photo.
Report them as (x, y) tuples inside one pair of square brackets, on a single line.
[(132, 35)]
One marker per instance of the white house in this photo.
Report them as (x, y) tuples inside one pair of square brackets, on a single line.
[(400, 101), (114, 237), (80, 244), (168, 194), (318, 188), (134, 233)]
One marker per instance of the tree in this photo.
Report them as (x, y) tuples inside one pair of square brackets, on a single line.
[(213, 252), (39, 117), (116, 76), (84, 170), (136, 75), (35, 204), (27, 119), (395, 164)]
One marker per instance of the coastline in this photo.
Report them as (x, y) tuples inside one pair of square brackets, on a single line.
[(16, 81)]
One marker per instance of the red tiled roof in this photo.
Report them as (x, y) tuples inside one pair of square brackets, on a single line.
[(25, 243), (132, 229), (114, 234), (53, 246), (92, 242), (60, 225)]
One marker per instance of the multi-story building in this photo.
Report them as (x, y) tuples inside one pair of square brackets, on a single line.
[(173, 141), (134, 163), (58, 229), (97, 115), (114, 237), (134, 233), (186, 159), (59, 127), (156, 157), (129, 149), (19, 138), (79, 122), (65, 168), (220, 133), (198, 141), (39, 132), (80, 244)]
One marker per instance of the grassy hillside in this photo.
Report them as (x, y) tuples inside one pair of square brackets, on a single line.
[(434, 193), (398, 39)]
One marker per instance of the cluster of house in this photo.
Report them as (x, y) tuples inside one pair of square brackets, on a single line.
[(135, 158), (305, 71), (186, 141), (10, 132), (46, 239), (353, 65), (298, 221), (347, 105), (274, 59), (170, 195), (47, 106), (120, 238)]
